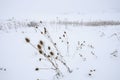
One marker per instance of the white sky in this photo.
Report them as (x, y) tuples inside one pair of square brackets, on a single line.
[(9, 8)]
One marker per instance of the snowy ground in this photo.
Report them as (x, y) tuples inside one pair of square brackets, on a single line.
[(91, 53)]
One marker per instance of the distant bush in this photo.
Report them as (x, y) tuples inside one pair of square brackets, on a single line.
[(32, 24), (88, 23)]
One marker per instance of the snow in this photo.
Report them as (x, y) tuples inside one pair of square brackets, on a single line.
[(89, 52), (99, 51)]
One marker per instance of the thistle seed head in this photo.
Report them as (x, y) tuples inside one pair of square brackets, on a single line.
[(27, 40)]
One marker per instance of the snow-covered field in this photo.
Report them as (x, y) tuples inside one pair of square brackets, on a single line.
[(68, 52)]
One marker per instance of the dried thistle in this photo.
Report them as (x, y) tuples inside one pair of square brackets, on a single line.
[(36, 27), (51, 53), (38, 46), (56, 57), (41, 22), (90, 70), (36, 69), (94, 70), (59, 37), (63, 35), (54, 43), (41, 32), (40, 51), (41, 42), (58, 53), (40, 59), (81, 55), (48, 56), (89, 74), (64, 32), (27, 40), (49, 48), (45, 55), (67, 42), (45, 30)]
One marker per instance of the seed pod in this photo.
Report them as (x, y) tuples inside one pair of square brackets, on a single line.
[(45, 55), (36, 27), (51, 53), (41, 32), (40, 51), (48, 56), (40, 59), (64, 32), (36, 69), (89, 74), (5, 69), (39, 47), (54, 43), (63, 35), (57, 53), (59, 37), (67, 42), (64, 63), (90, 70), (45, 31), (80, 55), (27, 40), (40, 21), (56, 57), (41, 42), (49, 48)]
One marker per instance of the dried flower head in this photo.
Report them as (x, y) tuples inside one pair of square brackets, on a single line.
[(45, 55), (64, 32), (64, 63), (54, 43), (40, 51), (59, 37), (41, 22), (36, 27), (41, 42), (56, 57), (49, 48), (89, 74), (27, 40), (48, 56), (63, 35), (38, 46), (51, 53), (81, 55), (45, 30), (5, 69), (41, 32), (40, 59), (36, 69), (67, 42), (83, 41), (90, 70), (57, 53)]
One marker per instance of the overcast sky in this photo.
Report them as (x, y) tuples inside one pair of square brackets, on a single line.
[(51, 7)]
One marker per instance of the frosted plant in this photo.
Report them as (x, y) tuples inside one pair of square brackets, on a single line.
[(53, 57)]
